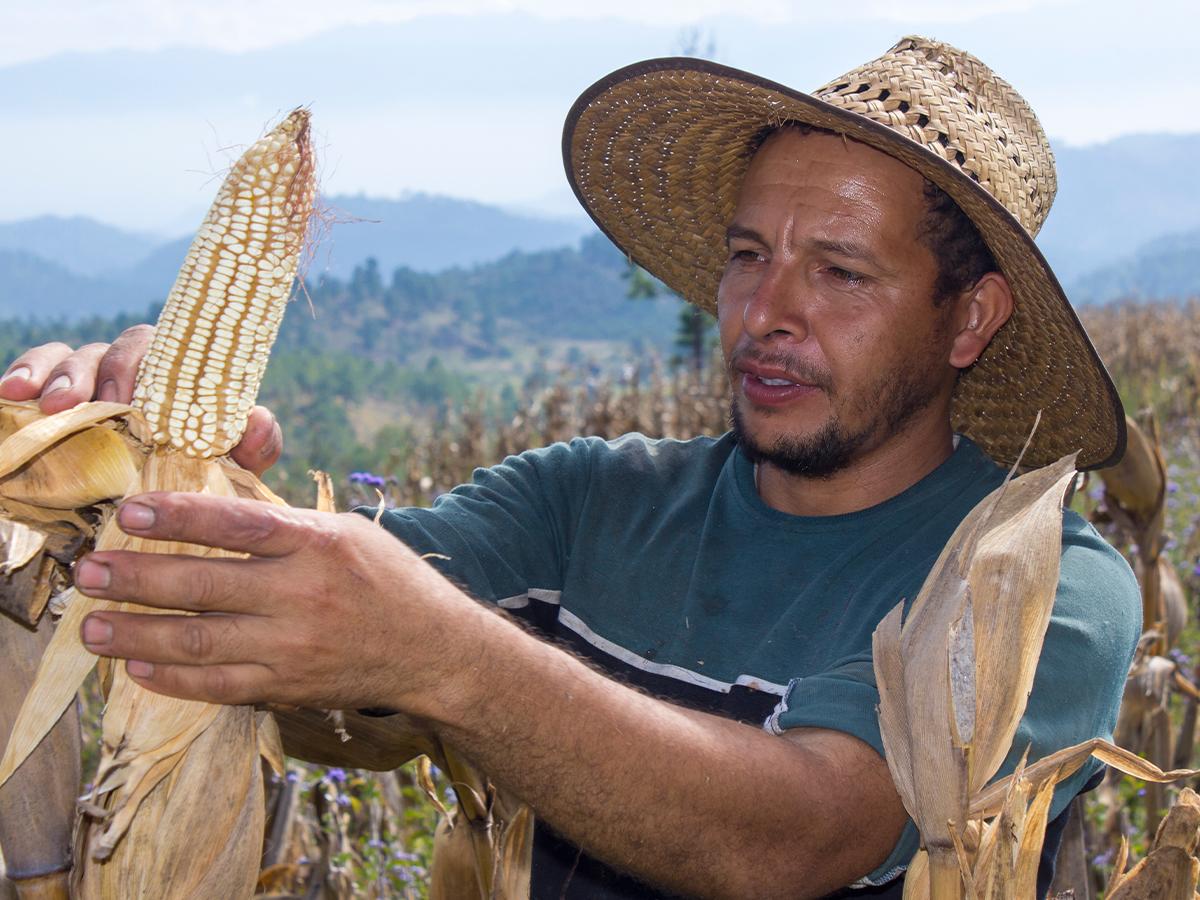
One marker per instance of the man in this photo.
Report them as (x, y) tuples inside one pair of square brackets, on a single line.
[(886, 320)]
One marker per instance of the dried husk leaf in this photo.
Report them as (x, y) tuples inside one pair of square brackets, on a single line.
[(453, 873), (1029, 853), (141, 727), (40, 435), (19, 544), (246, 484), (1166, 874), (1014, 580), (1064, 763), (194, 835), (916, 877), (270, 742), (940, 673), (63, 667), (325, 497), (1118, 871), (86, 468), (53, 520), (1138, 481), (1170, 871), (16, 414)]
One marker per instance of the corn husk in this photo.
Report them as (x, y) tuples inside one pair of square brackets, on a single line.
[(177, 806), (1171, 870), (954, 676)]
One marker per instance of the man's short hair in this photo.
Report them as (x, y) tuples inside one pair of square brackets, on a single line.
[(961, 254)]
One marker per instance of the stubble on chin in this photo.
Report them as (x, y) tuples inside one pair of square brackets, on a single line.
[(886, 407)]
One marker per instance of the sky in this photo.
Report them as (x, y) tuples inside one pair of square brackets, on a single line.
[(124, 110)]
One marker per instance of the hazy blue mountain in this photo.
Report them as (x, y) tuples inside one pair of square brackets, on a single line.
[(32, 288), (78, 244), (1165, 268), (430, 233), (421, 232), (1117, 196)]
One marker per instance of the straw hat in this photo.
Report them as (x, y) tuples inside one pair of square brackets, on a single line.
[(656, 152)]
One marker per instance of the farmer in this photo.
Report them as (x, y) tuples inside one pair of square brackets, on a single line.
[(706, 721)]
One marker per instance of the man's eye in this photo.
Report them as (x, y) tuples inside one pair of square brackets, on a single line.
[(850, 279), (744, 255)]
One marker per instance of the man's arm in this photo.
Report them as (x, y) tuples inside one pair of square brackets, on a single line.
[(686, 800)]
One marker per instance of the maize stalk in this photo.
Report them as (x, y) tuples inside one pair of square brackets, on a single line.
[(177, 806), (954, 677)]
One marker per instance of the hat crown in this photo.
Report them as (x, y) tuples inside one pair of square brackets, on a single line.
[(957, 108)]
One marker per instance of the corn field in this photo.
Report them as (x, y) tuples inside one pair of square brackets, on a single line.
[(335, 833)]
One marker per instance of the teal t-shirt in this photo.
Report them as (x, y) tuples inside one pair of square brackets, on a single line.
[(658, 560)]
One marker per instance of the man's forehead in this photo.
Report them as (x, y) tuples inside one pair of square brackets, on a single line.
[(825, 168), (797, 145)]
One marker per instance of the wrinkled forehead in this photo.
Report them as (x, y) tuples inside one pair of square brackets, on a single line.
[(813, 165)]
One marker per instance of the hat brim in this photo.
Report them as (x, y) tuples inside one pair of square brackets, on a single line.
[(656, 152)]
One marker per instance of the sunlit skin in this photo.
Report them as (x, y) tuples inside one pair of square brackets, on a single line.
[(828, 287), (828, 283)]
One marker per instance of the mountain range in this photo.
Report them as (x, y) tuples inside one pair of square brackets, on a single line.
[(1117, 230)]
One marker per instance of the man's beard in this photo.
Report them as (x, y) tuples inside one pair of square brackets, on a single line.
[(895, 398)]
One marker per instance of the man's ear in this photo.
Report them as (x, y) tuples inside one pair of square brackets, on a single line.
[(981, 312)]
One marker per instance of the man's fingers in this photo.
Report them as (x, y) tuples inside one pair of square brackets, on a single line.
[(230, 685), (73, 380), (183, 640), (244, 526), (24, 379), (261, 443), (117, 371), (192, 583)]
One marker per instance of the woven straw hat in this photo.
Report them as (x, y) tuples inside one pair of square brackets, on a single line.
[(656, 152)]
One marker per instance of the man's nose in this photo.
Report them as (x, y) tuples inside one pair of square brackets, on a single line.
[(778, 307)]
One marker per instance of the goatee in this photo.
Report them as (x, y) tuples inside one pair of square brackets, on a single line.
[(893, 400)]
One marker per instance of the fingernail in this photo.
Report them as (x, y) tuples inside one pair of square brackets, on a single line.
[(96, 632), (60, 383), (273, 441), (19, 372), (91, 574), (135, 515), (139, 669), (107, 392)]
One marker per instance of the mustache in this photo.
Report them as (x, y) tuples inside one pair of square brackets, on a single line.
[(796, 369)]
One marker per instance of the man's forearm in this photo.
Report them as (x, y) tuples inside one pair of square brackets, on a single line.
[(683, 799)]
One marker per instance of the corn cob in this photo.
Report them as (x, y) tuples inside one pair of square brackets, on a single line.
[(169, 763)]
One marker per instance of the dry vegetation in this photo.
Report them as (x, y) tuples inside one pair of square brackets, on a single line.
[(333, 833)]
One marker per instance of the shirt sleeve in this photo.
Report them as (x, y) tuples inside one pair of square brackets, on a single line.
[(1077, 687)]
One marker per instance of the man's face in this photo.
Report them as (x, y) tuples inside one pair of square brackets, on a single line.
[(825, 307)]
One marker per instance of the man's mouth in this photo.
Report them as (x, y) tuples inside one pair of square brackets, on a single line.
[(774, 389)]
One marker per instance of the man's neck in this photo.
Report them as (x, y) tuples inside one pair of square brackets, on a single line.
[(878, 475)]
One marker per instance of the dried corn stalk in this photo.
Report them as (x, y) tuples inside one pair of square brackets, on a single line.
[(953, 683), (1171, 870), (177, 805)]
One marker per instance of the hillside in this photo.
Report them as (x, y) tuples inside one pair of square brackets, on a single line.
[(42, 260), (1165, 268)]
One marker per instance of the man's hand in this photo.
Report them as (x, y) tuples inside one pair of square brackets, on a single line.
[(332, 611), (59, 378), (329, 610)]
